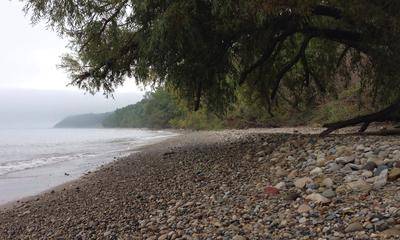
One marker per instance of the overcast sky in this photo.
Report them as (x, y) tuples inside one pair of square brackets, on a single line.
[(31, 83)]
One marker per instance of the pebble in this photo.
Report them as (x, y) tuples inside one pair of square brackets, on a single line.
[(316, 171), (359, 186), (304, 208), (301, 182), (317, 198), (394, 174), (381, 180), (354, 227), (327, 182), (329, 193)]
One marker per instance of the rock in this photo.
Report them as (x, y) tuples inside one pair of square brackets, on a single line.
[(354, 167), (370, 166), (327, 182), (354, 227), (329, 193), (359, 186), (316, 171), (396, 164), (280, 185), (345, 160), (381, 180), (292, 174), (238, 237), (312, 186), (318, 198), (301, 182), (333, 167), (302, 220), (394, 174), (304, 208), (260, 154), (163, 237), (292, 196), (379, 169), (367, 174), (271, 191), (391, 232)]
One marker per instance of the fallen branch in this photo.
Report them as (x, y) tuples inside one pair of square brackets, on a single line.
[(381, 116)]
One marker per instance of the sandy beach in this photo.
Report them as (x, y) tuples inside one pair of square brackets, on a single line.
[(237, 184)]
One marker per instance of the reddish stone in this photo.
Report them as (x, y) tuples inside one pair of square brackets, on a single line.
[(271, 191)]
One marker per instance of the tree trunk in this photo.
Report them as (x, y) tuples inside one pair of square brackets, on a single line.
[(387, 114)]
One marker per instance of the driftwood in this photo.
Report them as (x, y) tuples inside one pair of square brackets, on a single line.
[(387, 114)]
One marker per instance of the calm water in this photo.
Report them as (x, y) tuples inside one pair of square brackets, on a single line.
[(33, 160)]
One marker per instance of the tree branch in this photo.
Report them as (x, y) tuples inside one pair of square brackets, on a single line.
[(289, 66)]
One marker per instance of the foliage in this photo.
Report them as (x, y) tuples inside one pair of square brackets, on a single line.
[(205, 50), (154, 111)]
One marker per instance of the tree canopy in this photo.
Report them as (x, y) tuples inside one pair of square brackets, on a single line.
[(205, 50)]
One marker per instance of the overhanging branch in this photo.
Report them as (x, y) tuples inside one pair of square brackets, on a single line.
[(289, 66)]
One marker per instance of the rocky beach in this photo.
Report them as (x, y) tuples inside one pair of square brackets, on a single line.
[(236, 184)]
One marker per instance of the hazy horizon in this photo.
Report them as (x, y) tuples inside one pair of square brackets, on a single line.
[(33, 90), (27, 108)]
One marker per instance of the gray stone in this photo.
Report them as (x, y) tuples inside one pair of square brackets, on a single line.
[(379, 169), (329, 193), (333, 167), (381, 180), (354, 227)]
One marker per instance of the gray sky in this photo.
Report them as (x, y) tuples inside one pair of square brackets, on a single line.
[(30, 81)]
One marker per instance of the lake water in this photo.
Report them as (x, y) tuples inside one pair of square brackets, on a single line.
[(34, 160)]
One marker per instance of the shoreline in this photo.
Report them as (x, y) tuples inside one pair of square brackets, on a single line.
[(70, 183), (232, 184)]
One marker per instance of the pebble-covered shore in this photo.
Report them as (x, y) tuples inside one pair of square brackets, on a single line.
[(228, 185)]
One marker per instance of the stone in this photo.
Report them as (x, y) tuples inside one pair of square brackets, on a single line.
[(329, 193), (292, 196), (301, 182), (333, 167), (292, 174), (379, 169), (163, 237), (394, 174), (260, 154), (354, 227), (396, 164), (316, 171), (302, 220), (327, 182), (381, 180), (354, 167), (367, 174), (304, 208), (391, 232), (317, 198), (238, 237), (345, 160), (359, 186), (280, 185), (271, 191)]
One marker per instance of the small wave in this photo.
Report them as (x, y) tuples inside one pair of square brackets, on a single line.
[(16, 166)]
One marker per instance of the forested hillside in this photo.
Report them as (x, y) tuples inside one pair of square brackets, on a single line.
[(90, 120)]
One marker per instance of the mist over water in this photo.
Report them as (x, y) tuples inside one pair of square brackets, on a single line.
[(26, 108)]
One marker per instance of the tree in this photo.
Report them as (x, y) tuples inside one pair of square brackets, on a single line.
[(205, 50)]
